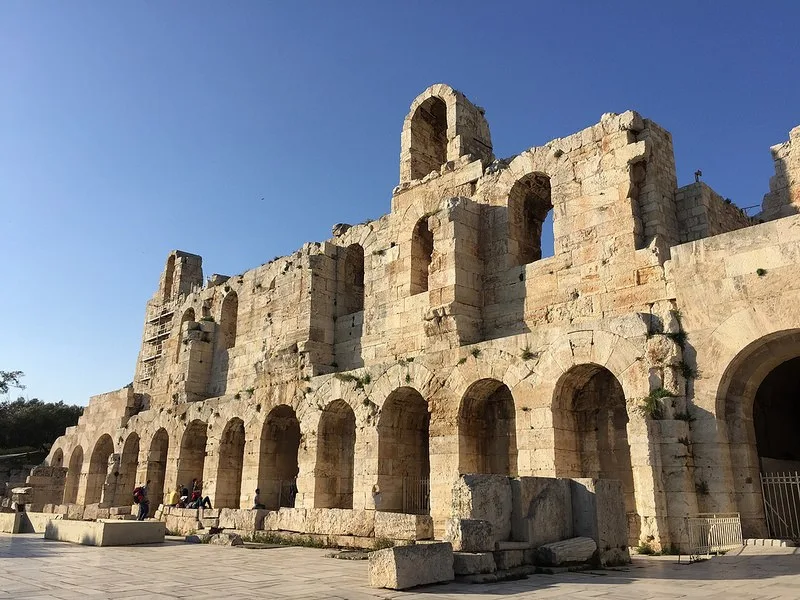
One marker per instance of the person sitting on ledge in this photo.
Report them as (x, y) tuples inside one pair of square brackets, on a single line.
[(199, 502), (173, 497), (257, 500)]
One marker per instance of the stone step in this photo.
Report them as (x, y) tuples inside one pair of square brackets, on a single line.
[(771, 543)]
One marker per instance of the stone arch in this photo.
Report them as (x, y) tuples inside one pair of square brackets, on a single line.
[(157, 466), (421, 256), (188, 315), (750, 400), (487, 429), (192, 454), (428, 137), (73, 476), (403, 453), (590, 421), (442, 125), (278, 464), (169, 276), (98, 469), (351, 281), (231, 462), (529, 205), (57, 459), (229, 314), (128, 466), (334, 472)]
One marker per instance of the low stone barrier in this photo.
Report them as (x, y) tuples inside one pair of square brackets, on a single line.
[(402, 526), (105, 533), (9, 522)]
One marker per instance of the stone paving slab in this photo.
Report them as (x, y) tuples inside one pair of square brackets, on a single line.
[(34, 568)]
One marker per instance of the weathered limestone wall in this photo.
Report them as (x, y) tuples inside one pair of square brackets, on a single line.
[(442, 325), (704, 213), (783, 198)]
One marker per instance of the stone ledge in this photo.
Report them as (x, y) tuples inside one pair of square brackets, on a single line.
[(106, 533)]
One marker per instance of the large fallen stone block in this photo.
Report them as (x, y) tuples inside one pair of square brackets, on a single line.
[(10, 522), (469, 535), (542, 510), (105, 533), (226, 539), (487, 498), (473, 563), (566, 552), (403, 567), (244, 519), (400, 526), (339, 521), (598, 512)]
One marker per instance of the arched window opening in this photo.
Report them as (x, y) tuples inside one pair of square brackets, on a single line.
[(421, 256), (58, 458), (99, 469), (73, 476), (227, 322), (336, 441), (157, 467), (590, 420), (351, 281), (488, 429), (428, 137), (277, 471), (403, 453), (530, 208), (231, 463), (128, 464), (188, 316), (169, 275), (192, 457)]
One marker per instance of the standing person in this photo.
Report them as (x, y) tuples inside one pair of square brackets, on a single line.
[(292, 493), (140, 496)]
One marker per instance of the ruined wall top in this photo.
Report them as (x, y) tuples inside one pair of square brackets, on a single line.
[(783, 198), (442, 126)]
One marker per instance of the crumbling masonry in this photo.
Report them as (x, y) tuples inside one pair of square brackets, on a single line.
[(658, 346)]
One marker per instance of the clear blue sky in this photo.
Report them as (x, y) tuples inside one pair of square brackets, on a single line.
[(240, 130)]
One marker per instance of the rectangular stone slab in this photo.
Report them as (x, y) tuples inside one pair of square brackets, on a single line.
[(404, 567), (106, 533), (9, 522)]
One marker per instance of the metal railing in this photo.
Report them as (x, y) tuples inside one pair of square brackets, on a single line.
[(416, 496), (712, 533), (781, 492)]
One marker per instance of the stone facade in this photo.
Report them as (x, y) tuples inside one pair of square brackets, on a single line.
[(376, 367)]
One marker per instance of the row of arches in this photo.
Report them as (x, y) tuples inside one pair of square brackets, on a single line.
[(591, 441)]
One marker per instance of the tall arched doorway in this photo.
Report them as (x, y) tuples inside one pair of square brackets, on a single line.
[(229, 469), (98, 469), (336, 441), (192, 457), (128, 464), (157, 467), (403, 454), (73, 476), (277, 468), (487, 427), (428, 147), (590, 420), (758, 400)]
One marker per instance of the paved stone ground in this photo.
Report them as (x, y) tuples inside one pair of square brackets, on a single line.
[(31, 567)]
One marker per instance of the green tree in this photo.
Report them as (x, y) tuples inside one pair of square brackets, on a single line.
[(9, 379)]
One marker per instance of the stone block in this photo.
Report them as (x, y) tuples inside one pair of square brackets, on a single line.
[(404, 567), (566, 552), (90, 512), (541, 510), (473, 563), (508, 559), (105, 533), (180, 525), (598, 512), (400, 526), (340, 521), (487, 498), (10, 522), (60, 509), (242, 518), (286, 519), (75, 512), (469, 535)]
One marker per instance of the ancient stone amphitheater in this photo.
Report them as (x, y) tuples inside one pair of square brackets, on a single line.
[(658, 345)]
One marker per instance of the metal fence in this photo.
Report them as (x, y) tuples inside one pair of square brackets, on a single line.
[(416, 496), (713, 533), (781, 493)]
